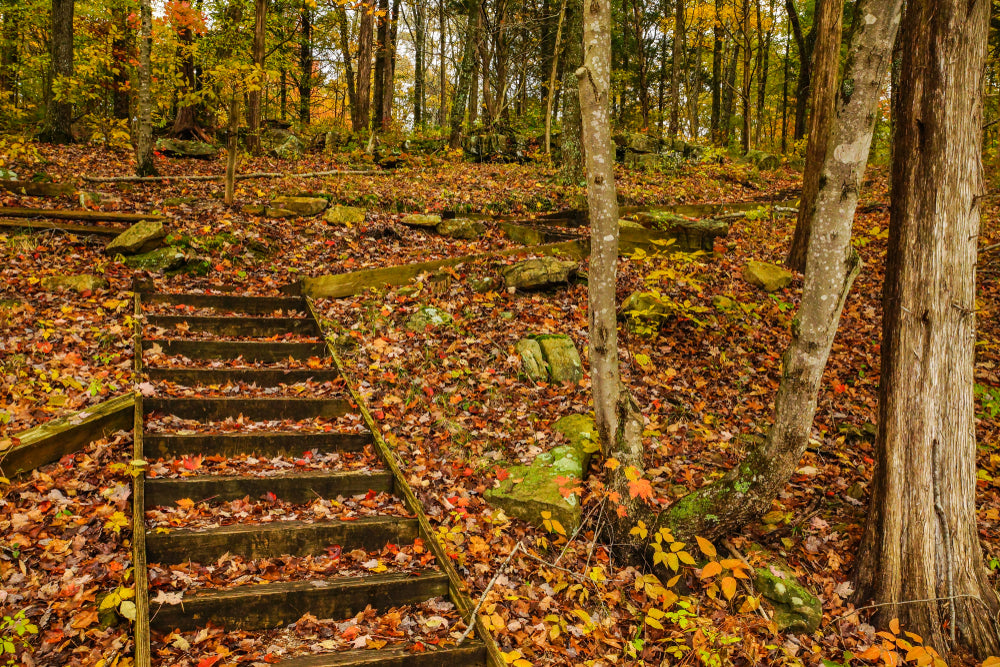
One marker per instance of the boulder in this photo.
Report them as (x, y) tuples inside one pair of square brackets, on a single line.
[(159, 260), (689, 235), (483, 285), (770, 277), (143, 236), (581, 432), (538, 273), (427, 316), (795, 608), (461, 228), (186, 149), (560, 354), (290, 149), (532, 361), (346, 216), (629, 224), (80, 283), (763, 160), (179, 201), (304, 206), (723, 303), (646, 306), (421, 220), (278, 212), (253, 209)]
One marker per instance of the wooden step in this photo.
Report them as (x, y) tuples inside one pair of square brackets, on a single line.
[(260, 327), (262, 377), (293, 487), (253, 409), (250, 351), (264, 443), (467, 655), (266, 606), (268, 540), (251, 305)]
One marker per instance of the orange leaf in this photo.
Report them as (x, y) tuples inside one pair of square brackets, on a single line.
[(713, 568), (728, 587), (894, 626), (640, 488)]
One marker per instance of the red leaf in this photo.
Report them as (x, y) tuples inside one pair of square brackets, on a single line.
[(209, 661), (640, 488)]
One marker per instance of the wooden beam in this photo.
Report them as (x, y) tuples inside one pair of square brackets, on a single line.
[(74, 214), (250, 351), (296, 487), (267, 606), (260, 327), (260, 409), (32, 189), (251, 305), (55, 439), (468, 655), (82, 230), (266, 443), (140, 576), (262, 377)]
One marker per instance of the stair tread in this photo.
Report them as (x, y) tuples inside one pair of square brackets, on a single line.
[(471, 653)]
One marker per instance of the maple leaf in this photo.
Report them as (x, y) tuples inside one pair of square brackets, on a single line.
[(640, 488), (209, 661)]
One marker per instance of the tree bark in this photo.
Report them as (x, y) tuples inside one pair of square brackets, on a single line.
[(10, 55), (921, 540), (571, 139), (306, 63), (381, 49), (718, 56), (464, 75), (365, 45), (389, 70), (442, 72), (552, 80), (675, 69), (352, 86), (420, 44), (59, 114), (804, 46), (826, 51), (727, 96), (745, 493), (232, 148), (143, 128), (254, 111), (121, 53)]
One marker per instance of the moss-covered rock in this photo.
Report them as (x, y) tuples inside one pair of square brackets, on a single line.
[(186, 149), (532, 362), (763, 160), (770, 277), (483, 285), (796, 609), (561, 356), (581, 432), (79, 283), (539, 273), (278, 212), (290, 149), (345, 216), (630, 224), (723, 303), (428, 316), (421, 220), (143, 236), (159, 260), (646, 306), (461, 228), (304, 206)]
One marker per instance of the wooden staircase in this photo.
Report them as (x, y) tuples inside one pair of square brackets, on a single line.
[(217, 320)]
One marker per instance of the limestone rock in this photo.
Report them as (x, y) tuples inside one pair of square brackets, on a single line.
[(253, 209), (483, 285), (795, 608), (561, 356), (461, 228), (538, 273), (143, 236), (689, 235), (159, 260), (180, 201), (80, 283), (421, 220), (532, 361), (427, 316), (646, 306), (278, 212), (630, 224), (768, 276), (763, 160), (186, 149), (304, 206), (291, 149), (581, 431), (344, 215)]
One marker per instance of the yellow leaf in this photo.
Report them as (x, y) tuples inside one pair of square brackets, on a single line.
[(509, 658), (894, 626), (711, 569), (686, 558), (706, 547), (652, 622), (728, 585), (611, 464)]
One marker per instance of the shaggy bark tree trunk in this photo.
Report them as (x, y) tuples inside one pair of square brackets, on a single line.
[(144, 122), (254, 96), (442, 72), (745, 493), (186, 122), (727, 96), (571, 138), (381, 49), (232, 148), (920, 554), (389, 70), (464, 75), (59, 114), (829, 17)]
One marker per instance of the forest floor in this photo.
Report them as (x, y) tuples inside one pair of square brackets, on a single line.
[(454, 403)]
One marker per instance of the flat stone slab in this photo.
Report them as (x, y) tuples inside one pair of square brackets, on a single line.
[(80, 283), (461, 228), (344, 215), (159, 260), (428, 316), (769, 277), (421, 220), (186, 149), (141, 237), (538, 273), (304, 206)]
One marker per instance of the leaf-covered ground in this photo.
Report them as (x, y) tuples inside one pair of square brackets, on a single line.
[(456, 406)]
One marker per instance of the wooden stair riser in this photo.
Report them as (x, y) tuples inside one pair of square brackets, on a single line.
[(252, 409), (250, 351), (260, 327), (275, 605), (261, 377), (468, 655), (263, 444), (251, 305), (293, 487)]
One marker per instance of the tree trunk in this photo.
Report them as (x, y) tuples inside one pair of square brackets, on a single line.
[(186, 121), (784, 99), (464, 75), (804, 46), (552, 80), (231, 148), (381, 51), (365, 33), (920, 554), (829, 17), (59, 114), (693, 88), (661, 84), (571, 139), (143, 128), (764, 62), (442, 72), (420, 43), (675, 69), (747, 83), (718, 55), (745, 493), (306, 63), (9, 51), (727, 96), (389, 70), (352, 86), (254, 110), (121, 53)]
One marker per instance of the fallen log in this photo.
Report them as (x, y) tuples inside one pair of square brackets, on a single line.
[(38, 225), (32, 189), (213, 177), (61, 214)]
